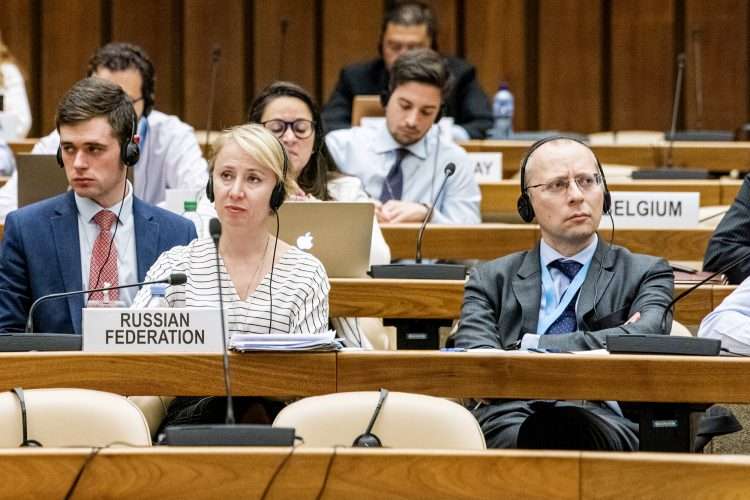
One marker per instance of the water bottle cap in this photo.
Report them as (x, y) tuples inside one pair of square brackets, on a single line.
[(504, 86), (190, 205), (159, 289)]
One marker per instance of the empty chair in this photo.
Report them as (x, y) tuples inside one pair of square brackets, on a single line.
[(154, 409), (405, 421), (680, 330), (72, 417)]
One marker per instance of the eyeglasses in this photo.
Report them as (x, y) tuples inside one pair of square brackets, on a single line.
[(585, 182), (301, 128)]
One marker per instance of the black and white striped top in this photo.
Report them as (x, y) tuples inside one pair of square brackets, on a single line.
[(299, 292)]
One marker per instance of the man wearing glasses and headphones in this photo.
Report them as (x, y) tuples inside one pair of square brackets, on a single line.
[(566, 294)]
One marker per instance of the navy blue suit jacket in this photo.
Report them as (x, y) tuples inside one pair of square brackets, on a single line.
[(40, 254)]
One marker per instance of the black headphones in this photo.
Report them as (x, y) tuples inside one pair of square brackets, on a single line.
[(385, 96), (277, 195), (130, 152), (368, 439), (523, 205)]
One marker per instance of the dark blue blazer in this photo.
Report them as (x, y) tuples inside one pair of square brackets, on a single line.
[(40, 254)]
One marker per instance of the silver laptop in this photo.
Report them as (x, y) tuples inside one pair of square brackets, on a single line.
[(39, 177), (337, 233)]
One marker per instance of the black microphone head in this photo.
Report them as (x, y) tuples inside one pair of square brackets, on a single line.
[(177, 279), (450, 169), (214, 228)]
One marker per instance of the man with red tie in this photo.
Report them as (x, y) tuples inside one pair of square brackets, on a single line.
[(98, 234)]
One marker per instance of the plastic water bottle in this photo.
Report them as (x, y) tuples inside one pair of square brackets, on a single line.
[(502, 112), (158, 300), (191, 207)]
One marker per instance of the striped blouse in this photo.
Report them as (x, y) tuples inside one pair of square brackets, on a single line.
[(299, 292)]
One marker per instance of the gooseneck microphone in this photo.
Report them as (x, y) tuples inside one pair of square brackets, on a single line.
[(676, 106), (449, 170), (687, 292), (214, 229), (215, 58), (172, 279)]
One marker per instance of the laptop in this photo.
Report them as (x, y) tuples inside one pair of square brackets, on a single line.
[(338, 233), (39, 177)]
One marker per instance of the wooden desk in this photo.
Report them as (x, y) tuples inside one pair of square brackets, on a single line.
[(548, 376), (713, 156), (501, 197), (238, 472), (439, 299), (268, 374), (22, 145), (490, 241)]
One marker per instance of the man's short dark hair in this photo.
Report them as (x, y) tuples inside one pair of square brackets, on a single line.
[(411, 13), (117, 56), (423, 66), (93, 97)]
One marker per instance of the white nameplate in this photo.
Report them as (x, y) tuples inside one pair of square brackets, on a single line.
[(654, 210), (488, 167), (123, 330)]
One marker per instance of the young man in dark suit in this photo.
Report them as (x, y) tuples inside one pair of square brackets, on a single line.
[(97, 234), (566, 294), (407, 26)]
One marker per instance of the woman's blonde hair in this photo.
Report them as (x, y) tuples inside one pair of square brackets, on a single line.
[(258, 142)]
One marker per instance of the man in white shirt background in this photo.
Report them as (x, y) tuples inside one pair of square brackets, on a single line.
[(401, 161), (170, 154)]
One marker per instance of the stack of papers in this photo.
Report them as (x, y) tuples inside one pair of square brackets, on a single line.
[(277, 342)]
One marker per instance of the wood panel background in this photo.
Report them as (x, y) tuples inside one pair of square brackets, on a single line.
[(574, 65)]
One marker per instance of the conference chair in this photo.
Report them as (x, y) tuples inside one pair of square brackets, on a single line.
[(154, 409), (405, 421), (72, 417), (366, 106), (626, 137), (680, 330)]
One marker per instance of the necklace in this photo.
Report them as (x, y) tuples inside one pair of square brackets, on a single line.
[(258, 268)]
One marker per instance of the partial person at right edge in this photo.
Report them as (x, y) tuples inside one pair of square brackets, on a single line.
[(401, 160), (15, 105), (407, 26), (731, 239), (566, 294)]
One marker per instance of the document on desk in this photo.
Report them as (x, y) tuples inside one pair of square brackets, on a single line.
[(247, 342)]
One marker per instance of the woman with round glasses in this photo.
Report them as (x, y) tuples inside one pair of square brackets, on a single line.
[(289, 112)]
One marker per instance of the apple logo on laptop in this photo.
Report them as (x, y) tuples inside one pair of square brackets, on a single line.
[(305, 242)]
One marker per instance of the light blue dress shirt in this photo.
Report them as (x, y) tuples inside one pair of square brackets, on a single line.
[(88, 230), (730, 322), (369, 152)]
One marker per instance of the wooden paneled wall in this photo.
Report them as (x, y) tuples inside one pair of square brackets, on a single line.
[(577, 65)]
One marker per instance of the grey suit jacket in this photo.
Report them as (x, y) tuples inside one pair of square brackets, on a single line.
[(502, 298)]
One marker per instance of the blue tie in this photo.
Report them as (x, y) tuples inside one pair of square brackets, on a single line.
[(566, 322), (393, 185)]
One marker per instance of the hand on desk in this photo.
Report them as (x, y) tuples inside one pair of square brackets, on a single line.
[(635, 317), (393, 211)]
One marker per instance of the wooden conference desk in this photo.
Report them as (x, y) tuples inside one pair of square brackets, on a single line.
[(490, 374), (22, 145), (501, 197), (442, 299), (489, 241), (713, 156), (209, 473)]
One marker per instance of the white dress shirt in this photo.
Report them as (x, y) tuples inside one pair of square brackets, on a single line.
[(370, 152), (730, 322), (88, 230), (16, 102), (170, 157)]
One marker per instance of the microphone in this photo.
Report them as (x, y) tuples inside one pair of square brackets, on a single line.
[(229, 434), (449, 170), (724, 269), (172, 279), (676, 105), (215, 58), (214, 229), (283, 29)]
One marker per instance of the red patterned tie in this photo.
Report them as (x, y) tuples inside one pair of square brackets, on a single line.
[(104, 219)]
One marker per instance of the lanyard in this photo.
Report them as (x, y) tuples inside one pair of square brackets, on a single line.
[(550, 310)]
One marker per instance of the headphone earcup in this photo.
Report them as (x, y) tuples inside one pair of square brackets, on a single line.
[(367, 441), (607, 201), (525, 210), (132, 153), (277, 196), (210, 189), (59, 157), (384, 96)]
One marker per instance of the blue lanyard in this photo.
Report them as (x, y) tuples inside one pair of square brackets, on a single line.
[(550, 310)]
